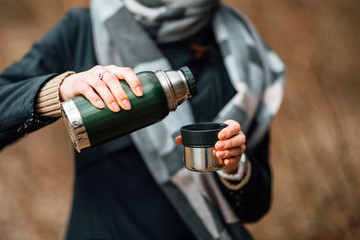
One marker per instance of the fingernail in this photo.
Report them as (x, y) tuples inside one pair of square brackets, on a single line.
[(222, 135), (227, 162), (126, 103), (220, 153), (220, 146), (100, 104), (138, 91), (115, 106)]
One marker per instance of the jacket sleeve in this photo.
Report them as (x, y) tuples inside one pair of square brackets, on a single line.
[(20, 83), (252, 201)]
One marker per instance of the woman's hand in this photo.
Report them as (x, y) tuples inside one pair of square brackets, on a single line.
[(102, 83), (230, 147)]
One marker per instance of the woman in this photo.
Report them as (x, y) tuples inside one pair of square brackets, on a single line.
[(135, 187)]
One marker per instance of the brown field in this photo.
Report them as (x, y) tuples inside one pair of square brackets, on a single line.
[(314, 136)]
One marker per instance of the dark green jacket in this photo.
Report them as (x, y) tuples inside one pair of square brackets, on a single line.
[(68, 47)]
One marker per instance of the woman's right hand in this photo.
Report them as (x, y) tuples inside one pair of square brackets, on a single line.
[(102, 84)]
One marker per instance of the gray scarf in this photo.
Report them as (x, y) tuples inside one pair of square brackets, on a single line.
[(126, 33)]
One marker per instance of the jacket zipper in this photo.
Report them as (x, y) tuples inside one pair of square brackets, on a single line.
[(32, 123)]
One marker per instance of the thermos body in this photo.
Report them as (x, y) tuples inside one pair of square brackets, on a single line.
[(163, 92), (103, 124)]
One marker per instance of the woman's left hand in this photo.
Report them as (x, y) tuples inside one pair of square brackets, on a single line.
[(230, 147)]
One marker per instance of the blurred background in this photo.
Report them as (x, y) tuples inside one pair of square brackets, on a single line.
[(315, 136)]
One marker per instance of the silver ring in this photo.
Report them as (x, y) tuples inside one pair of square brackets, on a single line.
[(101, 75)]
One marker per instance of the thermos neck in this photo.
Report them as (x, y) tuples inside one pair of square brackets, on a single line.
[(175, 84)]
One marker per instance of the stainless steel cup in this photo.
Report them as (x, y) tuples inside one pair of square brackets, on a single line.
[(199, 140)]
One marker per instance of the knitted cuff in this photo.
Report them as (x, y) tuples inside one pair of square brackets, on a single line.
[(240, 171), (236, 186), (48, 101)]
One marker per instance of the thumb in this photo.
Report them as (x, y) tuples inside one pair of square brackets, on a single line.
[(178, 140)]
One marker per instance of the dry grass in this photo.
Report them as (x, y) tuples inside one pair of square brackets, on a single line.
[(316, 194), (314, 137)]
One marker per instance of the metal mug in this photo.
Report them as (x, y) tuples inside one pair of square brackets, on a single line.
[(199, 141)]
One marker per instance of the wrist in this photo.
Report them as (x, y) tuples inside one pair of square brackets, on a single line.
[(237, 173), (65, 89), (232, 169), (48, 99), (243, 180)]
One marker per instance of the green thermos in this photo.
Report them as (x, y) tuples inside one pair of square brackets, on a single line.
[(163, 92)]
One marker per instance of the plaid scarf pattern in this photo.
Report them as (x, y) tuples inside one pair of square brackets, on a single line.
[(122, 37)]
